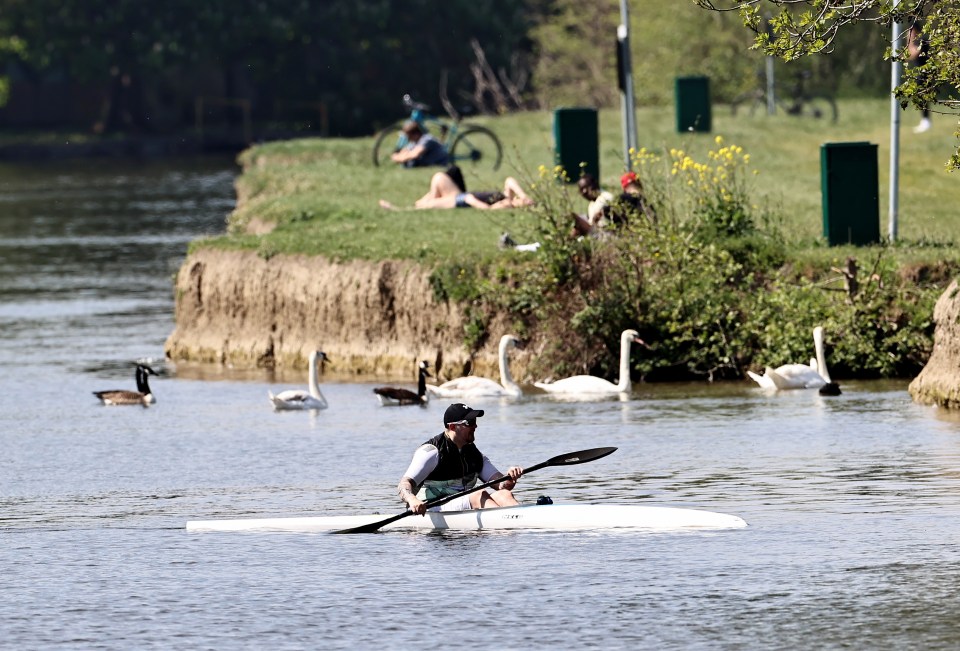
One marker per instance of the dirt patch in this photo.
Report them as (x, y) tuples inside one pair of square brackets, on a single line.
[(373, 318)]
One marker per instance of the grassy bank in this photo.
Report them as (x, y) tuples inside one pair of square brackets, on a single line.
[(329, 188), (714, 308)]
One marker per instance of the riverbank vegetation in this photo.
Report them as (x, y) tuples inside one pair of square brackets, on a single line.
[(733, 275)]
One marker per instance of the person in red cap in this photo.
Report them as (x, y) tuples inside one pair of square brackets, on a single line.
[(632, 200), (449, 463)]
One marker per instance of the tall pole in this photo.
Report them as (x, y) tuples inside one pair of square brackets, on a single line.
[(771, 88), (895, 113), (625, 77)]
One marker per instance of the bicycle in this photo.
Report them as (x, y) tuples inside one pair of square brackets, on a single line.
[(799, 101), (470, 143)]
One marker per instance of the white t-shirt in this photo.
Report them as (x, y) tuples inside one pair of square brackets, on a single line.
[(595, 211), (426, 458)]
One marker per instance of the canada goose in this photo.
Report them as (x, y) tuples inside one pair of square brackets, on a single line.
[(592, 385), (142, 396), (293, 399), (390, 396), (472, 386)]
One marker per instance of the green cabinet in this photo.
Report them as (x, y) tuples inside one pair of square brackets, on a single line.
[(576, 140), (851, 195), (692, 96)]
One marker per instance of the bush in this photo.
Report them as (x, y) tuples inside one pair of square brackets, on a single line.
[(706, 284)]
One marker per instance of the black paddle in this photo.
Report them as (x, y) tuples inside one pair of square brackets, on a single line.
[(569, 459)]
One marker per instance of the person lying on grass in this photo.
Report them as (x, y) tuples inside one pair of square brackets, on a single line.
[(448, 190)]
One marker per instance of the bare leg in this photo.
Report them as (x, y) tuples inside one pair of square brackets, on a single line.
[(441, 185), (514, 191), (448, 201), (485, 500)]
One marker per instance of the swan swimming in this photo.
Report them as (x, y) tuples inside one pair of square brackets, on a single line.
[(142, 396), (472, 386), (800, 376), (390, 396), (293, 399), (592, 385)]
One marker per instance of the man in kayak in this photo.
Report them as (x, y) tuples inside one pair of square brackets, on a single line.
[(449, 463)]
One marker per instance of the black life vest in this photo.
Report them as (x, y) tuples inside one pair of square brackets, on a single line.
[(457, 469)]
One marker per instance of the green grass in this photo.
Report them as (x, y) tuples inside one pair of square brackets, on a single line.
[(322, 193)]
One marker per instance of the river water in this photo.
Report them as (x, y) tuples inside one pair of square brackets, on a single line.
[(853, 502)]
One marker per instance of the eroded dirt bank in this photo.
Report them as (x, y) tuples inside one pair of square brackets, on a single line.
[(381, 318), (939, 381), (371, 317)]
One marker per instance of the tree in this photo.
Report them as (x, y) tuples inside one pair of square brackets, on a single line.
[(802, 27)]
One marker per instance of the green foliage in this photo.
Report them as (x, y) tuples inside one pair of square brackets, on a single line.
[(803, 27), (357, 57), (455, 282), (707, 286)]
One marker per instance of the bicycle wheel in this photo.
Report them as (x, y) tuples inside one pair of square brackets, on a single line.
[(388, 141), (819, 107), (477, 145)]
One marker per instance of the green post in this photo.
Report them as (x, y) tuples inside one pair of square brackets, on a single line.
[(850, 191), (692, 95), (577, 141)]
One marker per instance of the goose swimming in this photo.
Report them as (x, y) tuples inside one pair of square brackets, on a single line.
[(471, 386), (142, 396), (390, 396), (592, 385), (293, 399)]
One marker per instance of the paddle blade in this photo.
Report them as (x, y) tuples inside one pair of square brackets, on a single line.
[(583, 456), (373, 527)]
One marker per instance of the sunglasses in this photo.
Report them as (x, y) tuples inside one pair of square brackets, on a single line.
[(470, 422)]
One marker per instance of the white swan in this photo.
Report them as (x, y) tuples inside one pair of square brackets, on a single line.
[(800, 376), (142, 396), (390, 396), (592, 385), (298, 398), (471, 386)]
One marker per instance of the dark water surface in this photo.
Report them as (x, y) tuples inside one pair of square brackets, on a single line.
[(853, 502)]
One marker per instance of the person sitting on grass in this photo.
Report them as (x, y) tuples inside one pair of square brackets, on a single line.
[(632, 201), (448, 190), (421, 149), (595, 220)]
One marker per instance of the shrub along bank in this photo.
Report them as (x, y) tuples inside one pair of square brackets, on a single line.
[(709, 282)]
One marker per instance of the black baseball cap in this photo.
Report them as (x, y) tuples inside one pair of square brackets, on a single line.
[(458, 412)]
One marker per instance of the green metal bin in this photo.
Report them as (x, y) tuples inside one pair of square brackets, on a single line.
[(850, 191), (692, 95), (576, 141)]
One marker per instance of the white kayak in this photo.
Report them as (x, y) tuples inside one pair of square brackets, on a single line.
[(561, 517)]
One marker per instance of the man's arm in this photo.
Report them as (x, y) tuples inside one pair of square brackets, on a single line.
[(425, 459), (405, 155), (407, 496)]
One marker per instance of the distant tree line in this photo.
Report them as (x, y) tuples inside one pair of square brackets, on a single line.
[(342, 66)]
